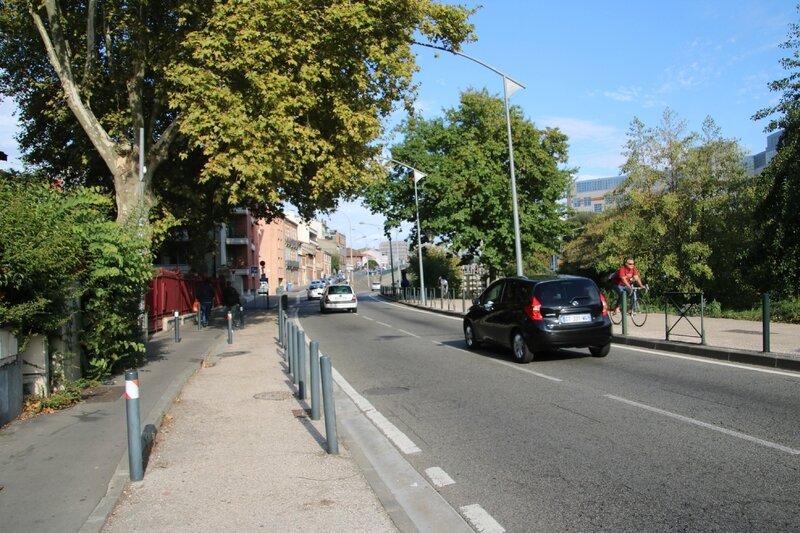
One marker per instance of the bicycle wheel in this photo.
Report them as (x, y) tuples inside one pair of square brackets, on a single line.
[(615, 316), (639, 313)]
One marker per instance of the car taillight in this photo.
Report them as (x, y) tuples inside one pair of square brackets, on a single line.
[(353, 298), (605, 304), (534, 309)]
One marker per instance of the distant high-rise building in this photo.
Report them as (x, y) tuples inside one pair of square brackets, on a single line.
[(594, 195), (756, 163)]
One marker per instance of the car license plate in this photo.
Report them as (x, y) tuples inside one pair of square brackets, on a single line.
[(575, 318)]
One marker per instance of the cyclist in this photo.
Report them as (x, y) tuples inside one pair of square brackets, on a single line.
[(626, 276)]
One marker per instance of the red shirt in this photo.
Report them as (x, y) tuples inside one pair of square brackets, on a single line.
[(625, 273)]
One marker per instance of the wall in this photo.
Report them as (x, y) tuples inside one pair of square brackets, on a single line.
[(10, 378)]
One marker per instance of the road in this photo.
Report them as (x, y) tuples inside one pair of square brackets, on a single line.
[(639, 440)]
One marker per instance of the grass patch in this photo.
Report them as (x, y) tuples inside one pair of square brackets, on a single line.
[(70, 394)]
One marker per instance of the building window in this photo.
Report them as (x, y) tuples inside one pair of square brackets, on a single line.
[(587, 201), (598, 208)]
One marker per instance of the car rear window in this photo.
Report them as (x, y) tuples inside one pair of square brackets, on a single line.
[(567, 292), (340, 289)]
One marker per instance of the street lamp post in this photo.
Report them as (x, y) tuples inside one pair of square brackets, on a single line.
[(509, 86), (417, 176), (391, 252)]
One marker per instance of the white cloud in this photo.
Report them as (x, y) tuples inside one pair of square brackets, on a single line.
[(581, 129), (623, 94)]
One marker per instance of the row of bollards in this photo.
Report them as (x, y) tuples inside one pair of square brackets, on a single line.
[(293, 340)]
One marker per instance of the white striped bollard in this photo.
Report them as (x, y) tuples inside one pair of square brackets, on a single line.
[(135, 463)]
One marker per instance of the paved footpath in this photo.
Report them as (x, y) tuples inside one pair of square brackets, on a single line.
[(237, 453)]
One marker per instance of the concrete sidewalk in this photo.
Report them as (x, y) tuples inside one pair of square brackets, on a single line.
[(237, 452)]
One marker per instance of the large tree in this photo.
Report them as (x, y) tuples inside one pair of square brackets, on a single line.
[(685, 213), (248, 102), (465, 199), (778, 255)]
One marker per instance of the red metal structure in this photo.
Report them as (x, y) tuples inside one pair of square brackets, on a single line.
[(171, 291)]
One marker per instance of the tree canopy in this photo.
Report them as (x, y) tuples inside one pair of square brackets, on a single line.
[(244, 103), (777, 256), (465, 199), (684, 212)]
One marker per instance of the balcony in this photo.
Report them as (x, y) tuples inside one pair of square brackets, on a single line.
[(292, 265)]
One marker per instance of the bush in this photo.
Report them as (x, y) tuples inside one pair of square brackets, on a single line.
[(59, 247)]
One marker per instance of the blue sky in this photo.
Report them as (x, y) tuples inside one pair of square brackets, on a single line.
[(590, 67)]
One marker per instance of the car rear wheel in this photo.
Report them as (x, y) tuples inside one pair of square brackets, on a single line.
[(522, 354), (469, 336), (600, 351)]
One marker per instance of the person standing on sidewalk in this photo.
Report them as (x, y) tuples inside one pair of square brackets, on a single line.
[(626, 276), (205, 295)]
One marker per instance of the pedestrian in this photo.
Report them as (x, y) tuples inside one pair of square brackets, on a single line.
[(443, 285), (626, 276), (205, 295), (230, 296)]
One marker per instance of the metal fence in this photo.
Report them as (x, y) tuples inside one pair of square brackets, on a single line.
[(172, 291)]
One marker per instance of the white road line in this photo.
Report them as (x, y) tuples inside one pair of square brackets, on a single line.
[(711, 361), (439, 477), (400, 440), (706, 425), (408, 333), (481, 520), (384, 324)]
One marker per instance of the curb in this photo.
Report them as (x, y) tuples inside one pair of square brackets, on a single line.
[(724, 354)]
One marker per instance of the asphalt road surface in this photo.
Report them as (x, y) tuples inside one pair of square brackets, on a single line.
[(638, 441)]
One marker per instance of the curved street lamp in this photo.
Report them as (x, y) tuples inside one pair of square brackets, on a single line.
[(417, 176), (509, 87)]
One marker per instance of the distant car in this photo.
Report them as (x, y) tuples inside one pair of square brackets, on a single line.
[(339, 296), (315, 288), (376, 286), (534, 315)]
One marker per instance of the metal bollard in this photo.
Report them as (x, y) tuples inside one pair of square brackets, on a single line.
[(314, 364), (290, 345), (177, 316), (135, 463), (624, 312), (281, 325), (230, 327), (765, 318), (328, 406), (241, 316), (296, 355), (197, 319), (300, 379)]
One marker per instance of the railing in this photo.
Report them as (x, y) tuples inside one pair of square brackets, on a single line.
[(458, 301)]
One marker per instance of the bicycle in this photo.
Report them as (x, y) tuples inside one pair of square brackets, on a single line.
[(637, 308)]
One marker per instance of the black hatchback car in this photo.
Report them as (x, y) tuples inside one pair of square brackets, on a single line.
[(540, 314)]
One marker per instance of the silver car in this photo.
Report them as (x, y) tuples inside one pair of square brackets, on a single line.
[(339, 296), (315, 289)]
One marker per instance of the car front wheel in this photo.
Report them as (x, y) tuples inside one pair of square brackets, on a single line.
[(600, 351), (469, 336), (522, 354)]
